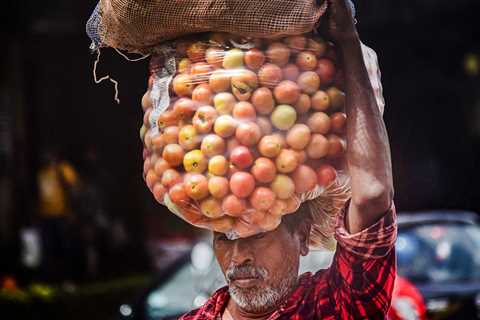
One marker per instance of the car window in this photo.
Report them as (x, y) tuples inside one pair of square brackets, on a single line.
[(439, 253)]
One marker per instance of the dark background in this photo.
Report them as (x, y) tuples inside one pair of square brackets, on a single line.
[(427, 50)]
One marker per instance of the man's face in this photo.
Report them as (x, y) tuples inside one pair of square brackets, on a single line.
[(261, 270)]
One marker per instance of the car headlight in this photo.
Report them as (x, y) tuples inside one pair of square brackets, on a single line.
[(437, 304)]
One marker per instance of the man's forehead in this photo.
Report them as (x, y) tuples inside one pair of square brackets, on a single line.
[(279, 229)]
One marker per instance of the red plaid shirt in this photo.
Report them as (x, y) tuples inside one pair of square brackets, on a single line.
[(358, 284)]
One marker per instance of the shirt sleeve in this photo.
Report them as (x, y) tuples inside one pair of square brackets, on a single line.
[(363, 270)]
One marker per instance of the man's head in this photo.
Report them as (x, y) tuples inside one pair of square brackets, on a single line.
[(261, 271)]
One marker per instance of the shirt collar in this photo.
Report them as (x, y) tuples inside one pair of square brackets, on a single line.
[(216, 304), (219, 300), (296, 296)]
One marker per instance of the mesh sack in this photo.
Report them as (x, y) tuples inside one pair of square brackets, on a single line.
[(140, 25), (93, 27), (238, 132)]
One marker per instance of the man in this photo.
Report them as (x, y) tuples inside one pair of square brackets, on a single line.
[(262, 271), (57, 182)]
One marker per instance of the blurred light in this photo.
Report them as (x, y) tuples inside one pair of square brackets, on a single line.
[(407, 249), (437, 232), (31, 252), (471, 64), (125, 310), (69, 287), (199, 301), (405, 308), (437, 305), (9, 284), (202, 256), (157, 300), (477, 304), (401, 243), (444, 249), (42, 291)]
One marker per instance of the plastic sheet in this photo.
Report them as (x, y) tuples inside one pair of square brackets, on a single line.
[(238, 132)]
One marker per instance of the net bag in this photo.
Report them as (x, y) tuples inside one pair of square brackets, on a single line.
[(239, 131), (140, 25)]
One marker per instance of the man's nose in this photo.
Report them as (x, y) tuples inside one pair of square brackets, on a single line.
[(242, 252)]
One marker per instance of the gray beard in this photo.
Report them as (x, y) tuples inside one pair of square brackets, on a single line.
[(257, 300)]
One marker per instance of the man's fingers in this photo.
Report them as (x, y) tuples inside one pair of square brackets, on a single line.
[(340, 9), (338, 4)]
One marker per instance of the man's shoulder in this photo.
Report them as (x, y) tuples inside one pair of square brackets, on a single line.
[(194, 314), (211, 309), (202, 313), (311, 285)]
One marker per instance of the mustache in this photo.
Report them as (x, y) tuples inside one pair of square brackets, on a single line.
[(245, 271)]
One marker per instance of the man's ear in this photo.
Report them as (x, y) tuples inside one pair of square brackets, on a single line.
[(303, 233)]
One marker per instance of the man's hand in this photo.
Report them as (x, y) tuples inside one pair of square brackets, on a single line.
[(340, 22), (368, 150)]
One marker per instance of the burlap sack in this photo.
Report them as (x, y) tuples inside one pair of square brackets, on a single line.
[(139, 25)]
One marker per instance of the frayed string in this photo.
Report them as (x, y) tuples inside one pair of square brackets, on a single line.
[(143, 57), (107, 77)]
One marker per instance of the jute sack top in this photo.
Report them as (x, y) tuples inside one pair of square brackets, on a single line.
[(140, 25)]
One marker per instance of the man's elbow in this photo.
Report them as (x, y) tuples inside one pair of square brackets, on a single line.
[(376, 200)]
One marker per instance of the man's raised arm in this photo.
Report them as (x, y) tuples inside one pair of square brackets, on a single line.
[(368, 151)]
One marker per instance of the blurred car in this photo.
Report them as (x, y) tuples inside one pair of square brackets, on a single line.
[(437, 252)]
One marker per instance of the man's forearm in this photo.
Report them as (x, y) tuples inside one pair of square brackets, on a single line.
[(368, 152)]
